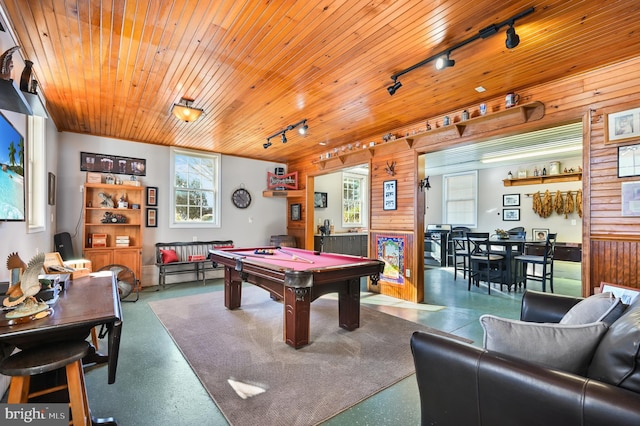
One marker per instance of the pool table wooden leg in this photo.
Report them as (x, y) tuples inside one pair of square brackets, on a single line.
[(232, 288), (349, 305), (297, 310)]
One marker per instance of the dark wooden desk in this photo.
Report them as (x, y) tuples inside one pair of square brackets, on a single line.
[(85, 303)]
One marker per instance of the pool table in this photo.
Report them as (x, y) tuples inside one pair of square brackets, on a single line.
[(298, 277)]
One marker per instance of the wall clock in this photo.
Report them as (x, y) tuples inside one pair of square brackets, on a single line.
[(241, 198)]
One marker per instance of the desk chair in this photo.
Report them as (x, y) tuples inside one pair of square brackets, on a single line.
[(460, 251), (485, 265), (546, 260)]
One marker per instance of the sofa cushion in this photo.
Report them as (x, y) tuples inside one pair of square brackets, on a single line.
[(169, 256), (617, 358), (599, 307), (564, 347)]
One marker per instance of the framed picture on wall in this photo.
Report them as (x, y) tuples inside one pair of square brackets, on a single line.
[(509, 200), (320, 200), (511, 214), (152, 218), (622, 125), (152, 195), (389, 194), (295, 211)]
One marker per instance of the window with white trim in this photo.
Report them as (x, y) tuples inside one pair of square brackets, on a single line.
[(36, 171), (460, 201), (353, 189), (195, 189)]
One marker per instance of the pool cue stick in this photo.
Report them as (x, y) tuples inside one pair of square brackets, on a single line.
[(294, 256), (270, 257)]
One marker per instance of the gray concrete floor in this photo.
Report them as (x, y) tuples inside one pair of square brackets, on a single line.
[(156, 386)]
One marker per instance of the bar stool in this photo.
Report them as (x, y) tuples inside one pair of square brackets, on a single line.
[(22, 365)]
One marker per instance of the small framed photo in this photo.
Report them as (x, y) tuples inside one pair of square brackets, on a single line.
[(630, 198), (629, 160), (539, 234), (622, 125), (511, 215), (152, 218), (320, 200), (389, 194), (152, 195), (295, 211), (510, 200)]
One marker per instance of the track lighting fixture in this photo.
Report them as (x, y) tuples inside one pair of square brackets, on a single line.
[(443, 62), (442, 58), (396, 85), (302, 129), (513, 39)]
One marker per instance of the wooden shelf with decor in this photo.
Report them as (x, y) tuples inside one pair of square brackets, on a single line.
[(284, 193), (535, 180), (507, 117), (102, 239)]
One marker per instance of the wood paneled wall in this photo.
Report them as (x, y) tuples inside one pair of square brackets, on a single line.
[(610, 241)]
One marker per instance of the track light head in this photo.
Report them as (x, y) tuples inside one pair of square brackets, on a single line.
[(267, 144), (284, 138), (443, 62), (513, 39), (303, 128), (396, 85)]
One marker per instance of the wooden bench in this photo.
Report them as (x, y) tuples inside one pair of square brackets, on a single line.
[(183, 257)]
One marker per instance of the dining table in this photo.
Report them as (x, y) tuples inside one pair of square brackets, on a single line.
[(83, 304)]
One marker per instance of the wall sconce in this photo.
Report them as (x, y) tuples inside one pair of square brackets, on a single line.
[(424, 184), (185, 112), (442, 58), (302, 129)]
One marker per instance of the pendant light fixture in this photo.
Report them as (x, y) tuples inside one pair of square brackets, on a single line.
[(185, 112)]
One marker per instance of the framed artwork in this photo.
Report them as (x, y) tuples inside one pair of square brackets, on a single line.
[(510, 200), (320, 199), (630, 198), (539, 234), (622, 125), (295, 211), (152, 217), (629, 160), (152, 195), (389, 194), (51, 189), (102, 163), (392, 251), (511, 215)]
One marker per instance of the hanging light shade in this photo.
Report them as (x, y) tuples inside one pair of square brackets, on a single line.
[(185, 112)]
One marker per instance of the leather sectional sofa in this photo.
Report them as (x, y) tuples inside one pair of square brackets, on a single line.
[(461, 384)]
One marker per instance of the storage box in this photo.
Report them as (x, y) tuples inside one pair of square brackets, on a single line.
[(94, 177), (53, 264), (98, 240)]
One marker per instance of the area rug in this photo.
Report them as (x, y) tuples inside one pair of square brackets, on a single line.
[(255, 378)]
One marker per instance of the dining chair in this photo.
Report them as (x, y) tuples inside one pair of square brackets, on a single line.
[(484, 264), (545, 260), (460, 251)]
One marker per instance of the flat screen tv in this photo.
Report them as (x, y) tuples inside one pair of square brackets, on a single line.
[(12, 153)]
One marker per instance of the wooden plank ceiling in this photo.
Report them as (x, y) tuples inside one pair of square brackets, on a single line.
[(114, 67)]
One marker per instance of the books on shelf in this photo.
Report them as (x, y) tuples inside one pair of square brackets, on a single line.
[(122, 241)]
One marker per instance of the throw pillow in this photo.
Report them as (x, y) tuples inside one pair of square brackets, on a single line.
[(617, 359), (599, 307), (564, 347), (169, 256)]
